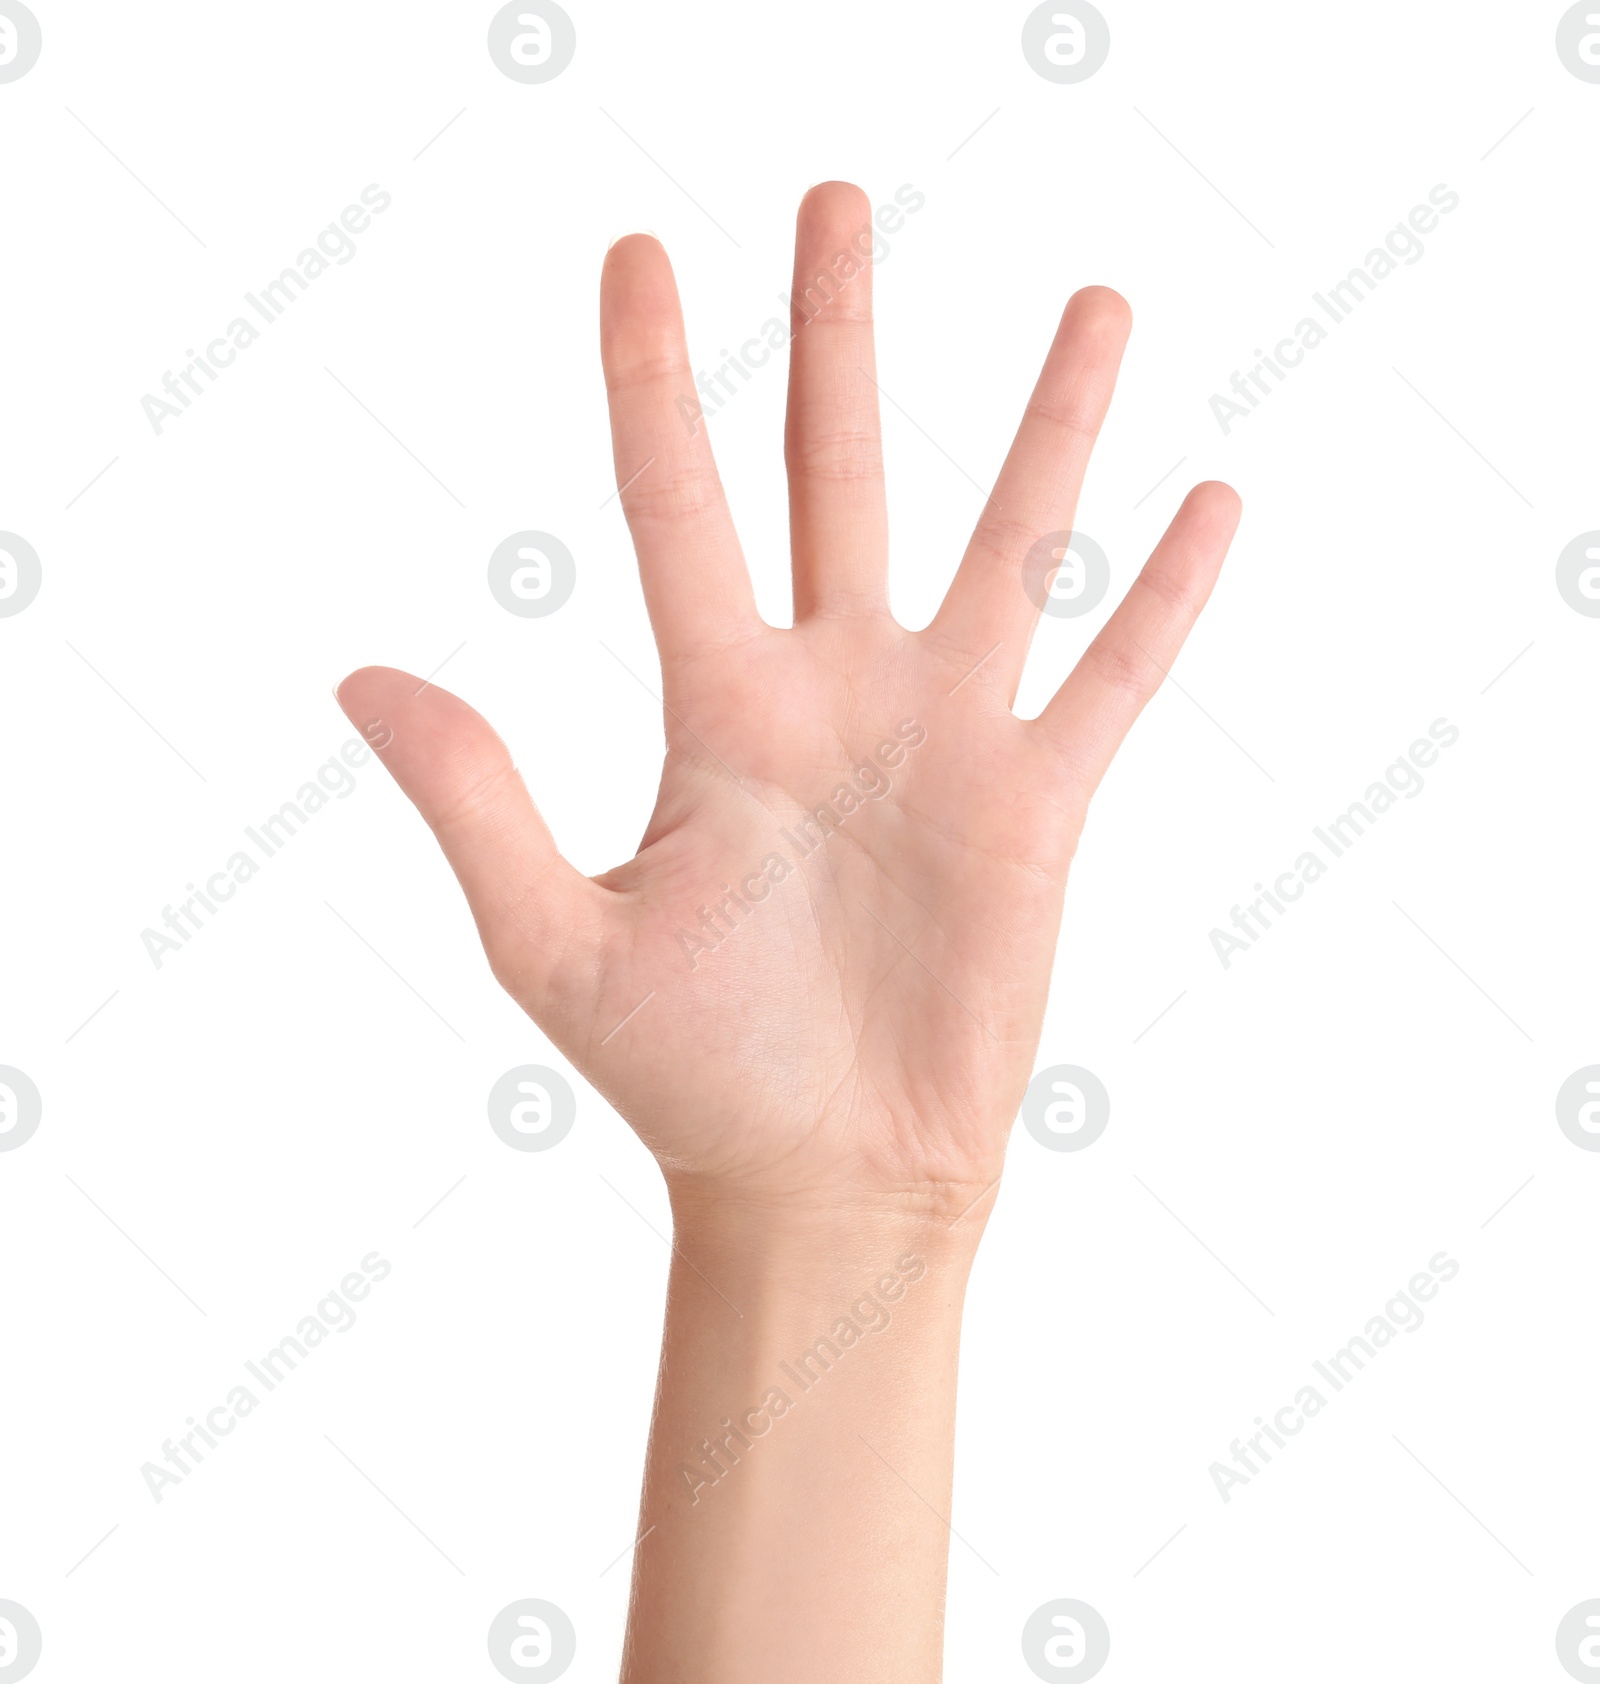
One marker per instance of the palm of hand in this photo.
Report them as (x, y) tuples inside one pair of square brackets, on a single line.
[(824, 972)]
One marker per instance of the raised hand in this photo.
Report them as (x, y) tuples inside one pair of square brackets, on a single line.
[(835, 938), (816, 989)]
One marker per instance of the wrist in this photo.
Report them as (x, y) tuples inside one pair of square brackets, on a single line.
[(797, 1269), (822, 1232)]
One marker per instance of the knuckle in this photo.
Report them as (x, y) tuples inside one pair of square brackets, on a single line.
[(474, 803), (1124, 670), (846, 454), (665, 367), (1003, 540), (846, 306), (672, 493), (1075, 420), (1167, 586)]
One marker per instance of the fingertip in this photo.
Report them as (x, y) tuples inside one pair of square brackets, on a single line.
[(1215, 501), (1102, 308), (370, 698), (633, 249), (363, 677), (366, 687), (636, 269), (639, 310), (829, 198)]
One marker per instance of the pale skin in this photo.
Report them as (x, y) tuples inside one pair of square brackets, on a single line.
[(828, 1079)]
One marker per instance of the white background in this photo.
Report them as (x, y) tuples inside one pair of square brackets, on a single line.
[(274, 1103)]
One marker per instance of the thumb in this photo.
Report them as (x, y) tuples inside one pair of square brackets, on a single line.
[(531, 906)]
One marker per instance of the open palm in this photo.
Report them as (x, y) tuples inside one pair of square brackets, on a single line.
[(823, 974)]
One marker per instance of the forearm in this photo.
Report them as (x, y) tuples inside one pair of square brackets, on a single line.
[(797, 1490)]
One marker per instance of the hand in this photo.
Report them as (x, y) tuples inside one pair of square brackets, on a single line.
[(822, 977)]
